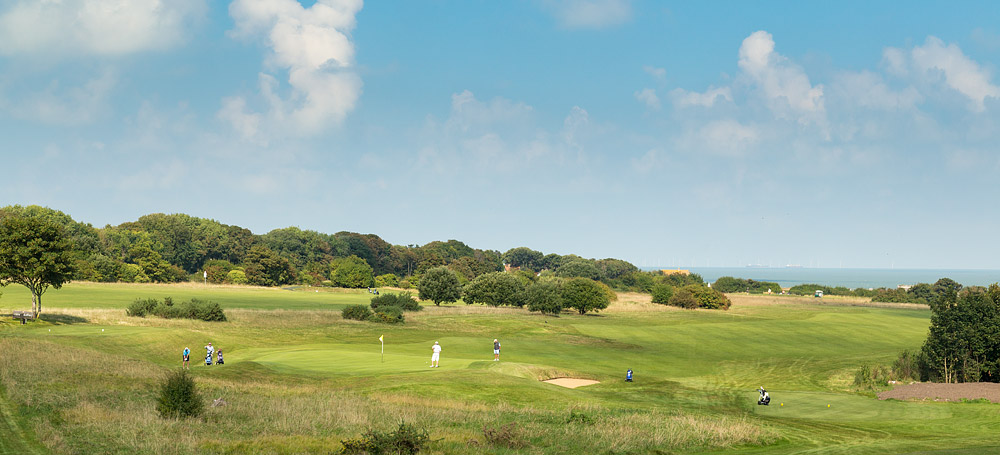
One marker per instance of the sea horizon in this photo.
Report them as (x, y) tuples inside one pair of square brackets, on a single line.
[(847, 277)]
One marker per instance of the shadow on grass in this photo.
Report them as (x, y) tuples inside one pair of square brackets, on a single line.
[(60, 319)]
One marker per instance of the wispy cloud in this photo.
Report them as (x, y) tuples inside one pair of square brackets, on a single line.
[(648, 97), (590, 13), (95, 27)]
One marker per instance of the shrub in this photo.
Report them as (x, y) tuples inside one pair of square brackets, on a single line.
[(683, 298), (906, 366), (388, 315), (193, 309), (356, 312), (871, 377), (662, 293), (406, 439), (709, 298), (504, 435), (179, 397), (237, 277), (404, 301), (141, 307)]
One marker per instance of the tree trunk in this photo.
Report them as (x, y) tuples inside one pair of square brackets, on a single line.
[(34, 302)]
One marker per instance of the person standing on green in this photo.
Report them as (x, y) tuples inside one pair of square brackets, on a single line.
[(496, 350), (185, 357)]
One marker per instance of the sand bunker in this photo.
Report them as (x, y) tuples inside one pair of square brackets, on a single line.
[(944, 392), (572, 383)]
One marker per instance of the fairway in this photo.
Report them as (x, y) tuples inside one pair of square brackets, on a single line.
[(298, 378)]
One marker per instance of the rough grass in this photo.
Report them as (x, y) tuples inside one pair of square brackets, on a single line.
[(298, 378)]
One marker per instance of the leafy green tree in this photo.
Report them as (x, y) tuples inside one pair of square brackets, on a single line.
[(264, 267), (523, 257), (963, 342), (612, 269), (583, 295), (639, 281), (730, 284), (551, 261), (387, 279), (544, 297), (579, 268), (237, 277), (351, 272), (439, 284), (495, 289), (34, 253), (662, 293), (944, 287)]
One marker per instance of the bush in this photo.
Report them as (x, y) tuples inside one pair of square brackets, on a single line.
[(179, 397), (683, 298), (662, 293), (193, 309), (141, 307), (406, 439), (388, 315), (871, 377), (906, 366), (237, 277), (504, 435), (404, 301), (356, 312), (709, 298)]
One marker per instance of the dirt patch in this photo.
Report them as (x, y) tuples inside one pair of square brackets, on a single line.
[(571, 383), (944, 392)]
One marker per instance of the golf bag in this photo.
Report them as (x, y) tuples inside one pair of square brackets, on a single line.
[(628, 375), (220, 362), (764, 399), (208, 359)]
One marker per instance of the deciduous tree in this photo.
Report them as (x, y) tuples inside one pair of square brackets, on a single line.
[(34, 253), (439, 284)]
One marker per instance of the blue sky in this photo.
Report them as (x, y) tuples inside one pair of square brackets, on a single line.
[(855, 134)]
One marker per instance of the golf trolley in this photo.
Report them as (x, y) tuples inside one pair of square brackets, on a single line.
[(764, 399)]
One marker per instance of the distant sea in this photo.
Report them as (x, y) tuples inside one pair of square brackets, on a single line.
[(850, 278)]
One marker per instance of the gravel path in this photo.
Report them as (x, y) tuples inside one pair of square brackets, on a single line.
[(944, 392)]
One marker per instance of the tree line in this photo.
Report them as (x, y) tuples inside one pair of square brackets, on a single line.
[(177, 247)]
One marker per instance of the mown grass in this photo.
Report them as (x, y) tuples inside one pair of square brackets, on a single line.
[(298, 378)]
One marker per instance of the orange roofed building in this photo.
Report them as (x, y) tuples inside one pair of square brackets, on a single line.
[(673, 271)]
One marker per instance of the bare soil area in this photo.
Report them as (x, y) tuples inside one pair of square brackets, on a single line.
[(944, 392), (571, 383)]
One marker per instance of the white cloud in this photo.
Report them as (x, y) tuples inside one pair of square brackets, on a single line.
[(721, 137), (683, 98), (234, 112), (649, 98), (314, 46), (590, 13), (648, 161), (99, 27), (935, 61), (784, 85), (659, 74), (66, 105), (868, 90)]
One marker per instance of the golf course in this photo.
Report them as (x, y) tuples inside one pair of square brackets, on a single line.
[(299, 379)]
